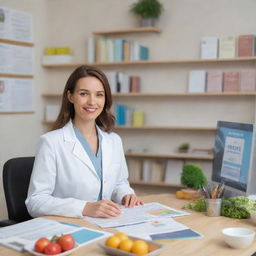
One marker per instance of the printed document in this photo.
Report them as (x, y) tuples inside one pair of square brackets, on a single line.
[(159, 229), (137, 214), (22, 234)]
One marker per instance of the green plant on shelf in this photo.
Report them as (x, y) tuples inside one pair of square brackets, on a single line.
[(183, 148), (192, 176), (147, 9)]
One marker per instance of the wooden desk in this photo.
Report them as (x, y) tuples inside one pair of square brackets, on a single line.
[(210, 227)]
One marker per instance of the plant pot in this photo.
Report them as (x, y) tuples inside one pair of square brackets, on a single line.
[(183, 150), (190, 193), (148, 22)]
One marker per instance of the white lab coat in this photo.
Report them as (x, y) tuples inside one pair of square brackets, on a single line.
[(64, 178)]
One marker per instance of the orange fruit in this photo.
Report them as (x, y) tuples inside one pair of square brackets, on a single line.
[(140, 247), (113, 241), (121, 235), (126, 245)]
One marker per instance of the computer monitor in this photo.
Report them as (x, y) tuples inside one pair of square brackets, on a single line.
[(235, 158)]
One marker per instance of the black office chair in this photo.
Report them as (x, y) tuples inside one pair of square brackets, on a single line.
[(16, 177)]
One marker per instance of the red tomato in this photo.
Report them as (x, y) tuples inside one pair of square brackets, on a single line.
[(41, 244), (67, 242), (52, 248)]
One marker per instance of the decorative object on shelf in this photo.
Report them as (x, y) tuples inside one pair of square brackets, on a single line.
[(57, 55), (193, 178), (183, 148), (148, 10)]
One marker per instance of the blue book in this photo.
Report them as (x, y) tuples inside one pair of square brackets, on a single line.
[(144, 53), (120, 114), (119, 49)]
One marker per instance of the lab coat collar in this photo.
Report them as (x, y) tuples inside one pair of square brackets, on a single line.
[(78, 150)]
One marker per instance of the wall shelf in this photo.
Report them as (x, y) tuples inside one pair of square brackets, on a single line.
[(16, 76), (128, 31), (165, 128), (158, 184), (55, 95), (151, 62), (170, 156)]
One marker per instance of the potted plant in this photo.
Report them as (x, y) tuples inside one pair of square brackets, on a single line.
[(148, 10), (183, 148), (192, 177)]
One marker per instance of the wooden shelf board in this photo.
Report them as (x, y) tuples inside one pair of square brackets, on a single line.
[(7, 41), (151, 62), (185, 94), (160, 184), (17, 112), (129, 31), (167, 94), (170, 156), (16, 76), (165, 128)]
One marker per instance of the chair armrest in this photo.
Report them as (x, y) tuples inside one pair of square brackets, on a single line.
[(4, 223)]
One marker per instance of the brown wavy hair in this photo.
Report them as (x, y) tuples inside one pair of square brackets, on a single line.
[(106, 119)]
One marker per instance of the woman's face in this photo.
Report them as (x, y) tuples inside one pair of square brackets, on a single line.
[(88, 99)]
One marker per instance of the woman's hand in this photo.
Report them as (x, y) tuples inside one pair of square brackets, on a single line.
[(103, 209), (131, 200)]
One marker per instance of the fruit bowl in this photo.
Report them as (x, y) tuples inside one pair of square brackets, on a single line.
[(154, 248), (30, 248)]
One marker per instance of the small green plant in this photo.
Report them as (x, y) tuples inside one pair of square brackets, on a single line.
[(147, 8), (184, 146), (192, 176)]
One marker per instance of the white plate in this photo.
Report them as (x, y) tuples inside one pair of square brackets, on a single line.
[(30, 248), (155, 248)]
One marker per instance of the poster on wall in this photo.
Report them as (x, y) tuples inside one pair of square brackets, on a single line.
[(16, 95), (15, 25), (16, 59)]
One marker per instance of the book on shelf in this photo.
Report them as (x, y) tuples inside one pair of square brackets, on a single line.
[(214, 81), (209, 47), (138, 118), (57, 59), (110, 50), (147, 170), (157, 172), (135, 169), (134, 84), (128, 115), (197, 81), (91, 50), (245, 46), (123, 84), (227, 47), (173, 171), (127, 49), (120, 114), (51, 112), (231, 81), (247, 81), (112, 80), (119, 49), (144, 53)]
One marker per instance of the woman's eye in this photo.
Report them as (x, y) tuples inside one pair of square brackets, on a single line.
[(83, 93), (100, 94)]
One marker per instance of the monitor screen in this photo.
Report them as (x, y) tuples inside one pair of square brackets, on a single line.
[(233, 152)]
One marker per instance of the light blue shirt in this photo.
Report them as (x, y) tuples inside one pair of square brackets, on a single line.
[(96, 159)]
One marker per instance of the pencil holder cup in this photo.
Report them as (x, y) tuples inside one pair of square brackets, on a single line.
[(213, 207)]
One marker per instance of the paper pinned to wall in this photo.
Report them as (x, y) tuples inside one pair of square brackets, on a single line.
[(16, 95), (15, 25)]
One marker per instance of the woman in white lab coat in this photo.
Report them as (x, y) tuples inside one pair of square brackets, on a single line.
[(80, 168)]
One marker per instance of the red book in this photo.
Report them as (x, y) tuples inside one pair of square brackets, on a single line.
[(231, 82), (247, 81), (134, 84), (245, 45), (214, 81)]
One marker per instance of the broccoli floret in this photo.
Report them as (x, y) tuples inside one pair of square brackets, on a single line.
[(196, 205), (237, 207)]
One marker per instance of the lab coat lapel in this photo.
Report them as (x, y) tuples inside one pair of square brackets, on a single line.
[(106, 153), (78, 150)]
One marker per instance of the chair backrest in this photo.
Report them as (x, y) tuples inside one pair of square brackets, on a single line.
[(16, 177)]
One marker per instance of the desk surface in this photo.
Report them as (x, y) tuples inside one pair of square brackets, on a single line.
[(210, 227)]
